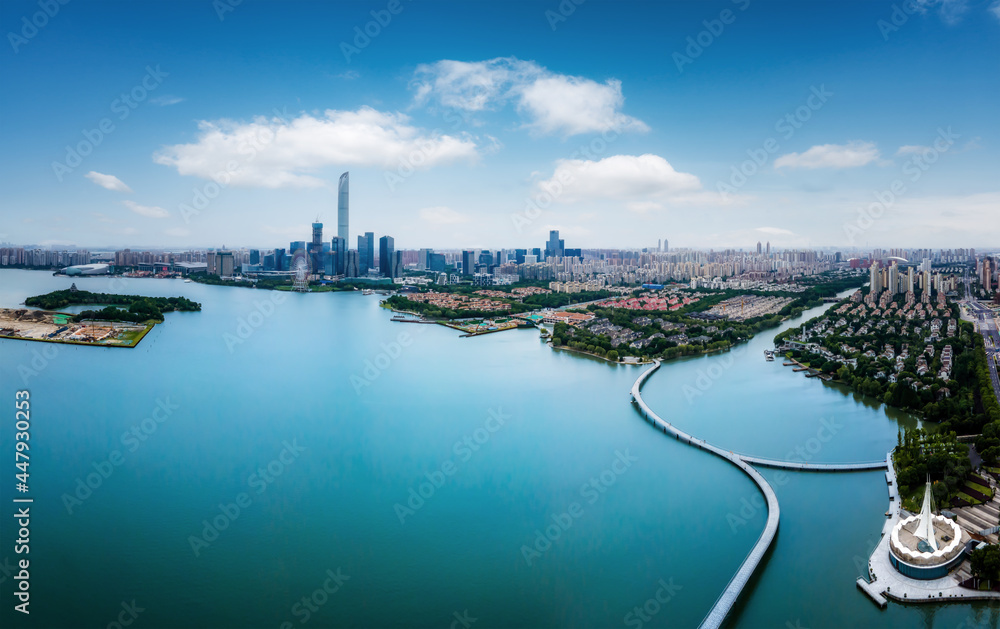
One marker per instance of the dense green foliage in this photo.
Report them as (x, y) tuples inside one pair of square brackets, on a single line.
[(532, 302), (138, 308), (941, 455), (985, 562)]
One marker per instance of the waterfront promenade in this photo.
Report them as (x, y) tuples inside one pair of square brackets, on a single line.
[(734, 588)]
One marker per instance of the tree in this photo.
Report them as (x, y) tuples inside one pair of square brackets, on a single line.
[(613, 355)]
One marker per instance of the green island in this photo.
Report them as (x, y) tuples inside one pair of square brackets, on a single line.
[(138, 308)]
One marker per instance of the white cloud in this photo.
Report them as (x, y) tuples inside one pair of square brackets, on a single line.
[(108, 181), (913, 149), (151, 211), (553, 103), (775, 231), (442, 216), (166, 100), (622, 177), (995, 9), (850, 155), (280, 152), (644, 206)]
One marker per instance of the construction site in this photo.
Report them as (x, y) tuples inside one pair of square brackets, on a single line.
[(58, 327)]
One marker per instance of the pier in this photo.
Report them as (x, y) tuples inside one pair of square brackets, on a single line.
[(734, 588)]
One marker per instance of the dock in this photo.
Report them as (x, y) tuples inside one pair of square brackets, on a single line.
[(867, 588)]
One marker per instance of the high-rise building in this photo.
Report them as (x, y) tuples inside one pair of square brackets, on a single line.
[(254, 256), (366, 253), (342, 207), (768, 248), (760, 248), (423, 256), (295, 246), (316, 249), (875, 278), (468, 262), (338, 250), (436, 262), (225, 262), (554, 247), (894, 278), (386, 248), (519, 255), (351, 265), (397, 264)]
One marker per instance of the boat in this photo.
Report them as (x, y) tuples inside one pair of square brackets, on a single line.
[(768, 355), (367, 291), (188, 281)]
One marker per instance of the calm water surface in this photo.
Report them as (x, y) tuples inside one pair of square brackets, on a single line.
[(316, 389)]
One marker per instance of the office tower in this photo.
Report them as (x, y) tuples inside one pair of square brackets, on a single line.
[(254, 256), (486, 259), (362, 255), (760, 248), (316, 249), (225, 263), (342, 207), (573, 253), (436, 262), (296, 246), (875, 278), (554, 247), (352, 264), (279, 260), (386, 247), (519, 255), (397, 264), (366, 256), (768, 248), (338, 250), (659, 244), (468, 262), (530, 258), (423, 256), (537, 252)]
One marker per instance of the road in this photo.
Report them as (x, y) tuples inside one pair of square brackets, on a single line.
[(986, 325)]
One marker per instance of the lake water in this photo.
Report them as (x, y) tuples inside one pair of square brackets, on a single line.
[(546, 500)]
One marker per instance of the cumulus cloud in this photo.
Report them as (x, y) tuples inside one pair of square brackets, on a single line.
[(442, 216), (552, 103), (151, 211), (913, 149), (108, 181), (281, 152), (775, 231), (623, 177), (850, 155)]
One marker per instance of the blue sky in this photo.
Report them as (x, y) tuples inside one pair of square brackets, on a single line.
[(475, 124)]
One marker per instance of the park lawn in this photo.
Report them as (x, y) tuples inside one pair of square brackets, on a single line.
[(969, 499), (986, 491)]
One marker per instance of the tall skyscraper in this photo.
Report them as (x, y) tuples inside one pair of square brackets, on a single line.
[(351, 268), (366, 253), (760, 248), (316, 249), (554, 247), (342, 207), (397, 264), (768, 249), (386, 248), (338, 249), (875, 278)]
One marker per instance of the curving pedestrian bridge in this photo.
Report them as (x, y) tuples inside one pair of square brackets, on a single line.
[(735, 586)]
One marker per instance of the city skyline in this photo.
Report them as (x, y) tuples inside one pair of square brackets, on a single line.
[(457, 146)]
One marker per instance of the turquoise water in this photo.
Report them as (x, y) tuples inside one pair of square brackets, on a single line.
[(284, 389)]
